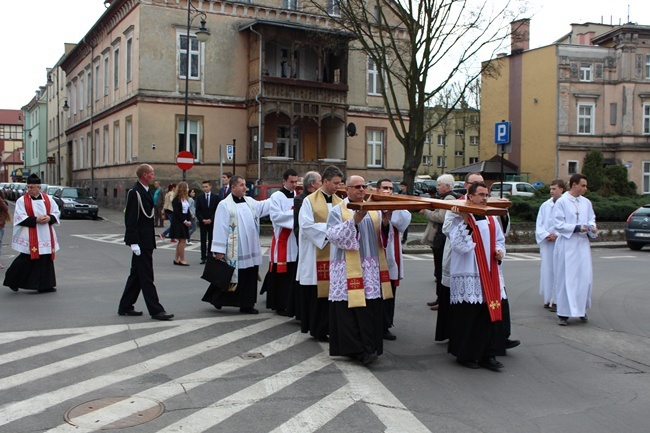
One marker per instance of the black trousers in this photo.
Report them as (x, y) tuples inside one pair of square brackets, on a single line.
[(354, 331), (389, 308), (314, 312), (206, 239), (141, 279)]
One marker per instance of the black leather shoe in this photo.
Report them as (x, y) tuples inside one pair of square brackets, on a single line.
[(470, 363), (203, 261), (129, 313), (389, 335), (368, 358), (491, 364), (50, 290), (15, 289), (249, 310), (163, 315), (512, 343)]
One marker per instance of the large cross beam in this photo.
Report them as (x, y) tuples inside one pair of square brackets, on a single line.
[(406, 202)]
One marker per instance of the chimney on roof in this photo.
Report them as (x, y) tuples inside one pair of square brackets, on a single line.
[(519, 36)]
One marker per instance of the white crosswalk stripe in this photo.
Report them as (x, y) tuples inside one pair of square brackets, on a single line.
[(309, 358)]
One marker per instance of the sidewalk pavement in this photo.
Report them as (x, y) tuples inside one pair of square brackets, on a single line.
[(413, 246)]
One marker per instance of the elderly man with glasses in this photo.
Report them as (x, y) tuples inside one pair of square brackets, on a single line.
[(359, 277)]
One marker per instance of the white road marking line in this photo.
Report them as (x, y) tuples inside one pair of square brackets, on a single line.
[(40, 403), (223, 409), (320, 413), (121, 410), (618, 257), (417, 256), (390, 411)]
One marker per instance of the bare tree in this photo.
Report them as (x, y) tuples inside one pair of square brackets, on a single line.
[(421, 47)]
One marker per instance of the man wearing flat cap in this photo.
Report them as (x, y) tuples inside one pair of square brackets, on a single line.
[(35, 239)]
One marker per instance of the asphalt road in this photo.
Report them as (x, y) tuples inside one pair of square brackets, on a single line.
[(221, 371)]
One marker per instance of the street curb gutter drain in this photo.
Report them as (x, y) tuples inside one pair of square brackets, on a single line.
[(114, 412)]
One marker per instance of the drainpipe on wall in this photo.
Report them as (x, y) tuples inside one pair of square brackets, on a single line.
[(92, 134), (259, 114)]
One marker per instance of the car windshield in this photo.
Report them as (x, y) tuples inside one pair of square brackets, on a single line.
[(75, 193)]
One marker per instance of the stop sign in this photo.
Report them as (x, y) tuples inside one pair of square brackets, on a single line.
[(185, 160)]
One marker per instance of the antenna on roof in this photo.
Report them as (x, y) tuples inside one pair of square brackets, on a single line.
[(628, 12)]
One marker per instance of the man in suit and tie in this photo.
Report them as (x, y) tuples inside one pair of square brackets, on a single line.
[(206, 206), (225, 189), (140, 235)]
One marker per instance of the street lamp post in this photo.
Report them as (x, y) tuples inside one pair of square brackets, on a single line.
[(66, 107), (202, 35)]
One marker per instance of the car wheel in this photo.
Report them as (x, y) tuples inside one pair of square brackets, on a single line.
[(634, 246), (94, 217)]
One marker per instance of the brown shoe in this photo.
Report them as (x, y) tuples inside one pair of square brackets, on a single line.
[(432, 303), (553, 308), (434, 308)]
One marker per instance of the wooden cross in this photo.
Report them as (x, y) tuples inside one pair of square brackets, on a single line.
[(404, 202)]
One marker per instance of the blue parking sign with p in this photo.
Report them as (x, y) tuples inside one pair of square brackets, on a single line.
[(502, 133)]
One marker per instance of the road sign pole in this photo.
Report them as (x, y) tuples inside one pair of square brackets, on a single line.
[(220, 161), (234, 153), (184, 175)]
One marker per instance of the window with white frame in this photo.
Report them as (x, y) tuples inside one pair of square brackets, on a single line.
[(116, 142), (290, 4), (334, 8), (442, 140), (288, 141), (89, 144), (458, 153), (75, 154), (374, 78), (96, 82), (73, 98), (98, 148), (473, 140), (106, 76), (129, 59), (82, 152), (81, 93), (426, 159), (460, 132), (116, 68), (572, 167), (473, 159), (105, 146), (427, 138), (586, 118), (193, 48), (585, 72), (646, 119), (442, 161), (128, 139), (89, 88), (375, 148), (646, 177), (191, 140)]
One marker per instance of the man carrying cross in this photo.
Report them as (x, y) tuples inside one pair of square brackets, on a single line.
[(476, 290), (359, 277)]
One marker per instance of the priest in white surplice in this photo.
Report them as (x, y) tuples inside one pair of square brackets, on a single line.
[(237, 238), (575, 222), (545, 235), (359, 277), (314, 255), (35, 240), (283, 254), (400, 220), (476, 285)]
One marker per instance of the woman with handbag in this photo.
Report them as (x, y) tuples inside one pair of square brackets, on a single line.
[(180, 222)]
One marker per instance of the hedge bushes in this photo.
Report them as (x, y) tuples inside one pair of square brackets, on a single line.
[(614, 208)]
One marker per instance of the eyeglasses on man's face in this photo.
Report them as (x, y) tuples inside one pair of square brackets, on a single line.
[(357, 186)]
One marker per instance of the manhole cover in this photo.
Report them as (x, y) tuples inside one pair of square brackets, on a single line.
[(114, 412)]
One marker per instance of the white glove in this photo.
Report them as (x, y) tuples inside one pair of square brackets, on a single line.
[(136, 249)]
